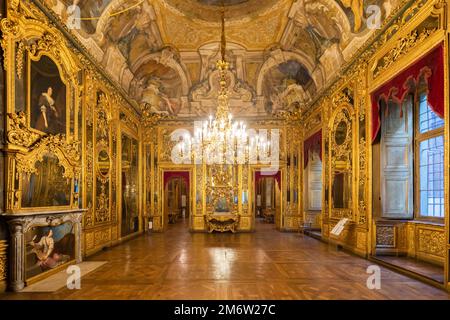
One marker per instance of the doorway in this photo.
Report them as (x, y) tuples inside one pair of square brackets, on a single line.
[(176, 198), (312, 196), (267, 198)]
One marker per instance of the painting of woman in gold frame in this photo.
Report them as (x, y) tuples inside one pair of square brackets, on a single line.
[(47, 96)]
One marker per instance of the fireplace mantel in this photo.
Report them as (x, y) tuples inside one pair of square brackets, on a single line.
[(20, 223)]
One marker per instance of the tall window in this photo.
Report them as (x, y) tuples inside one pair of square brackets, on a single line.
[(313, 183), (412, 160), (429, 138)]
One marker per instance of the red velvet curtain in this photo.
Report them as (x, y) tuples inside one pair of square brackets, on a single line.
[(431, 68), (312, 144), (176, 174), (260, 175)]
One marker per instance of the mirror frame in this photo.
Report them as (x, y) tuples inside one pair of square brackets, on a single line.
[(342, 159)]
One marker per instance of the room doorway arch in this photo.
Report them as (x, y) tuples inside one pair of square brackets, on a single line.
[(177, 199), (267, 195)]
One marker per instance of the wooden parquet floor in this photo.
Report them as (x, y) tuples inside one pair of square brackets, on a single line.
[(266, 264)]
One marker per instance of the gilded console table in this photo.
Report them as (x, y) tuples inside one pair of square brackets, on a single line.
[(222, 222)]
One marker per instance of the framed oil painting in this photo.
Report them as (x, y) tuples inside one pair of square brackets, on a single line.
[(48, 247), (47, 97), (47, 187)]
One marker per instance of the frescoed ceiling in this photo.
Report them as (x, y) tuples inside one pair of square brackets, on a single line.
[(190, 24), (281, 52)]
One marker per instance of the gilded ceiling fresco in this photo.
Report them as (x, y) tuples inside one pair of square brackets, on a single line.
[(286, 86), (209, 10), (163, 52)]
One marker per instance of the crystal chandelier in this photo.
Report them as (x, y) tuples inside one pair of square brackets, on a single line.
[(220, 139)]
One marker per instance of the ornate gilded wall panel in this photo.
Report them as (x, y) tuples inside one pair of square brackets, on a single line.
[(102, 237), (198, 223), (342, 165), (430, 243), (2, 129), (362, 158), (401, 39), (74, 123), (42, 123), (157, 223), (292, 223), (89, 241), (245, 223), (199, 196), (101, 161), (345, 162), (3, 264), (416, 240), (386, 236), (361, 240)]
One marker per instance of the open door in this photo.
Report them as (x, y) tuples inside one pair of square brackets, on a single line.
[(268, 198), (176, 198)]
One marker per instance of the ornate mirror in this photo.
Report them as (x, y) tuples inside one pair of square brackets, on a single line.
[(341, 154), (46, 185), (129, 185), (340, 135)]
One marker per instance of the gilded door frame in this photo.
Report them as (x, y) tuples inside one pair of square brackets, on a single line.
[(252, 196), (172, 168)]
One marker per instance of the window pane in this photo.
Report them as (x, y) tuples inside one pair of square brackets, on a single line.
[(428, 120), (432, 177)]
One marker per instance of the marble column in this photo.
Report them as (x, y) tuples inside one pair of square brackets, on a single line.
[(17, 256)]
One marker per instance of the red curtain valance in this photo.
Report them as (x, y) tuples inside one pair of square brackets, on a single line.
[(176, 174), (431, 67), (260, 175), (312, 144)]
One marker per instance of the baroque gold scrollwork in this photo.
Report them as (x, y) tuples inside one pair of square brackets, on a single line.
[(68, 155), (102, 157), (402, 47), (150, 118), (19, 133), (219, 186), (10, 29)]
